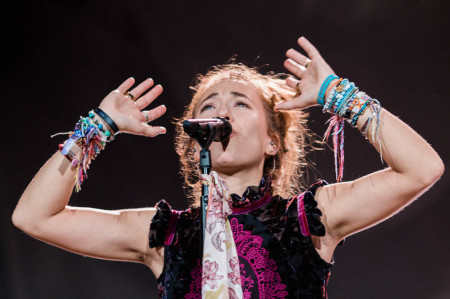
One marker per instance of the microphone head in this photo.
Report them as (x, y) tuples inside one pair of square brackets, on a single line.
[(225, 130), (217, 128)]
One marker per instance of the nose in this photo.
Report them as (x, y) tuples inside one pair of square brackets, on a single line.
[(224, 113)]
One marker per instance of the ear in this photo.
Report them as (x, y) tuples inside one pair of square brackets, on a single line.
[(273, 145)]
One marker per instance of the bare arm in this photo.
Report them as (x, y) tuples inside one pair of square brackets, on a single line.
[(353, 206), (414, 167), (43, 210)]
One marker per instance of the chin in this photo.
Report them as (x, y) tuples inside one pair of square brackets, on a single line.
[(225, 159), (224, 163)]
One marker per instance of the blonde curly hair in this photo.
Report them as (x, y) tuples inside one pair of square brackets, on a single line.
[(288, 165)]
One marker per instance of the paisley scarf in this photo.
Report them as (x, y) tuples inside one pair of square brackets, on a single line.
[(221, 275)]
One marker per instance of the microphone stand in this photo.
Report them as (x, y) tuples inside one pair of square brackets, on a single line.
[(205, 167)]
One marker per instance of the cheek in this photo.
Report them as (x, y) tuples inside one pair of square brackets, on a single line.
[(257, 131)]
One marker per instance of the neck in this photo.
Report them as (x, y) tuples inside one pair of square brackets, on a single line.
[(239, 181)]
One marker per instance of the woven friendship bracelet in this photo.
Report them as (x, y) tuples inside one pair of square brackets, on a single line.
[(91, 136), (345, 102)]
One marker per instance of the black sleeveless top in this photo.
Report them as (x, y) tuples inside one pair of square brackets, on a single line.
[(272, 235)]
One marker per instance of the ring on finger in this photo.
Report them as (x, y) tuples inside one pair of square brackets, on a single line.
[(146, 116), (128, 94), (307, 63), (297, 90)]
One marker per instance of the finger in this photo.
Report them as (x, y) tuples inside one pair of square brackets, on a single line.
[(149, 97), (292, 82), (125, 85), (151, 131), (154, 113), (294, 67), (141, 88), (297, 57), (286, 106), (308, 47)]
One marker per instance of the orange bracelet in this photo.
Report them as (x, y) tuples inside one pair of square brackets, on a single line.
[(331, 86)]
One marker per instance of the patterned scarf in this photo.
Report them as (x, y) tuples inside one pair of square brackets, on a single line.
[(221, 275)]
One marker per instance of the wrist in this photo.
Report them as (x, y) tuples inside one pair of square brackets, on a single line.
[(324, 87), (105, 117), (102, 125), (87, 140)]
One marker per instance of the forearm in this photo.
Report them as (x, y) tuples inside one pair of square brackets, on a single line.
[(403, 149), (47, 194)]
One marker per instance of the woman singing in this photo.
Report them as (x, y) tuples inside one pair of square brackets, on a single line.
[(267, 234)]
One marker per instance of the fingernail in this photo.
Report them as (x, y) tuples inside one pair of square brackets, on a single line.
[(163, 130)]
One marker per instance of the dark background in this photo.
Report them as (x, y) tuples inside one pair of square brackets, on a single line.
[(62, 57)]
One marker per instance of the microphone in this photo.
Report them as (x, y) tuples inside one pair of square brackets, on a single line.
[(217, 128)]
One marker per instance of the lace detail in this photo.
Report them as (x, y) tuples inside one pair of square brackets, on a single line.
[(254, 265), (196, 282), (275, 259), (265, 269)]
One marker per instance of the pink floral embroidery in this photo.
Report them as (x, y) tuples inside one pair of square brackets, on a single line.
[(209, 274), (195, 286), (249, 263), (249, 248)]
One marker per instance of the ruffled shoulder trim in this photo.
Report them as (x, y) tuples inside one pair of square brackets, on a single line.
[(163, 226), (308, 212)]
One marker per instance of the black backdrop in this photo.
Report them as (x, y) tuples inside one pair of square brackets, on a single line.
[(63, 57)]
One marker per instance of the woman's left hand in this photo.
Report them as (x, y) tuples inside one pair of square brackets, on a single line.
[(307, 80)]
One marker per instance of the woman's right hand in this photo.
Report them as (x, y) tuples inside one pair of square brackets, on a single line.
[(129, 115)]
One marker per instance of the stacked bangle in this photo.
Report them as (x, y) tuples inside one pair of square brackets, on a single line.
[(91, 136), (345, 102)]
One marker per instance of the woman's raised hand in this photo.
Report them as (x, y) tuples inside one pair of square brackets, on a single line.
[(309, 72), (126, 108)]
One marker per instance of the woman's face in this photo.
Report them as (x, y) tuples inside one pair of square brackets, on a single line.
[(249, 141)]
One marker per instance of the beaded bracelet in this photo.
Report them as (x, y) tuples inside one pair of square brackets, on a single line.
[(345, 102), (331, 100), (91, 136)]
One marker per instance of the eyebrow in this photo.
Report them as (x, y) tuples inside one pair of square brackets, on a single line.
[(238, 94), (214, 94)]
